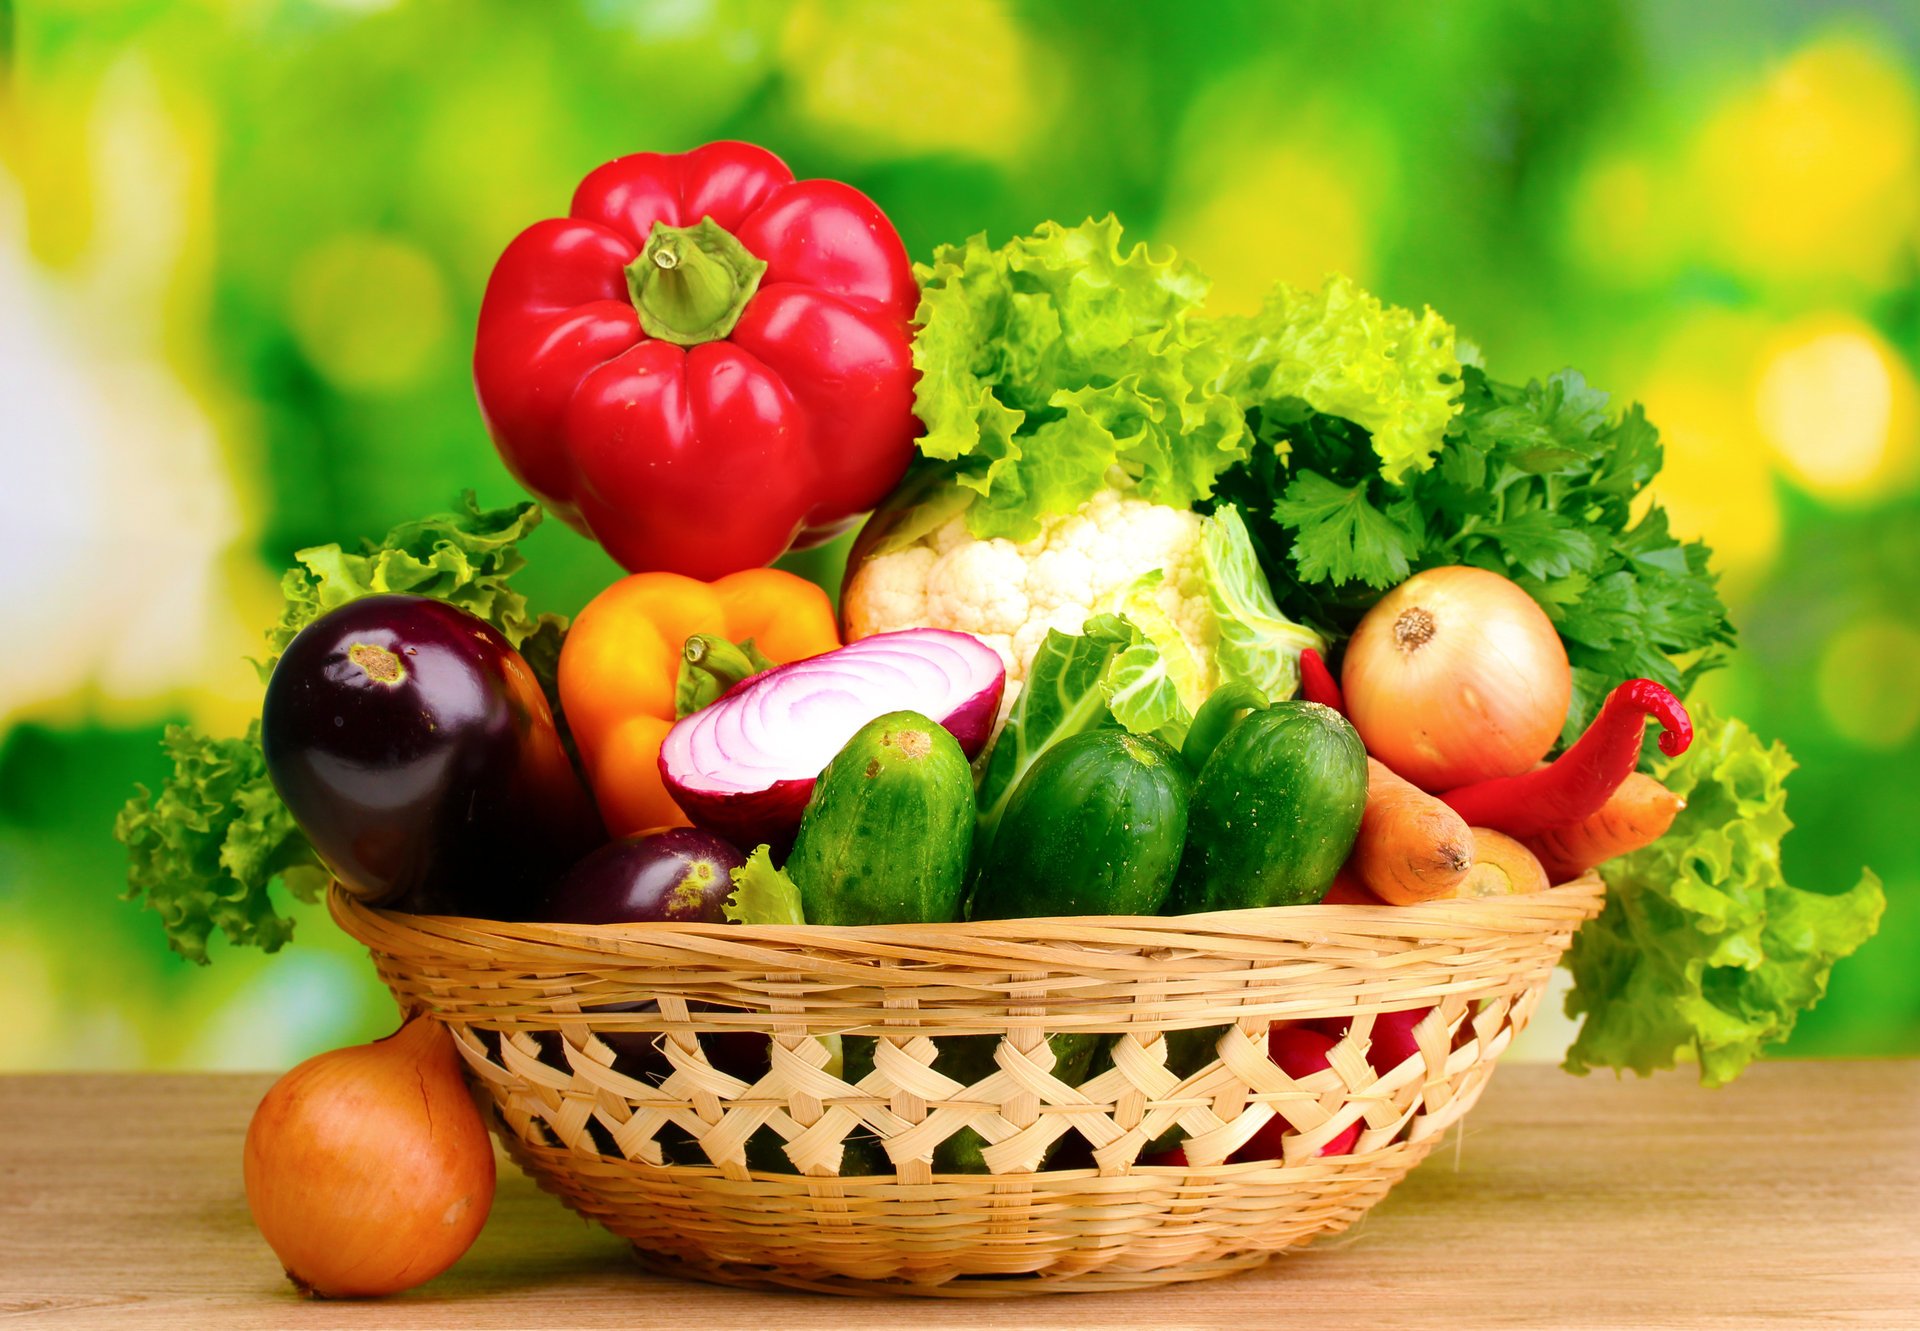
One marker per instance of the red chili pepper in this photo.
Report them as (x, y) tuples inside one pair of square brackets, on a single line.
[(1317, 683), (705, 363), (1577, 783)]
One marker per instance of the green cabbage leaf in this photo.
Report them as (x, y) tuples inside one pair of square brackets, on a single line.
[(1258, 644), (1108, 674)]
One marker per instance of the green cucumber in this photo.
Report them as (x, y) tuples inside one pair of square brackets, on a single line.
[(887, 833), (1095, 827), (969, 1059), (1274, 811)]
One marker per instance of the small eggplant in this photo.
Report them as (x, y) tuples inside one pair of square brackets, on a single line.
[(679, 874), (415, 749)]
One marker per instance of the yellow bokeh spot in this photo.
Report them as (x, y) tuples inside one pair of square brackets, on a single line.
[(1836, 404), (876, 78), (368, 312), (1869, 682), (1815, 172), (1717, 482), (1288, 212)]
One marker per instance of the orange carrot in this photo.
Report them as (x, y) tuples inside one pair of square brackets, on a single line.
[(1502, 867), (1411, 846), (1635, 815)]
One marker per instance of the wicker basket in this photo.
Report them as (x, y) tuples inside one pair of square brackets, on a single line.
[(714, 1175)]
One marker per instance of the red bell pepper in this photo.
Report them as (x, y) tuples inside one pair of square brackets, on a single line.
[(706, 363)]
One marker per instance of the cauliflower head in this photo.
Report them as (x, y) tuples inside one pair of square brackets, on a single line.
[(1175, 573)]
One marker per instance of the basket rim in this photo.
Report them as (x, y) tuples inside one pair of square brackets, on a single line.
[(1250, 933)]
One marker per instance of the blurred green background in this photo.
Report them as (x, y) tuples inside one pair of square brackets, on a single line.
[(242, 246)]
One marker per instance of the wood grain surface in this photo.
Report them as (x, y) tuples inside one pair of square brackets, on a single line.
[(1790, 1199)]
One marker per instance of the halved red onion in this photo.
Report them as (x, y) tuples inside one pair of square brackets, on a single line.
[(744, 766)]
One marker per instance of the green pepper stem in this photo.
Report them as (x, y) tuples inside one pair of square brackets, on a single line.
[(692, 283), (709, 666), (1215, 717)]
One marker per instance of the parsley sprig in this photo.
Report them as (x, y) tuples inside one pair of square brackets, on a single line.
[(1537, 482)]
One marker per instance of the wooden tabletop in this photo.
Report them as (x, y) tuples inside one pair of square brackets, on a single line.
[(1791, 1198)]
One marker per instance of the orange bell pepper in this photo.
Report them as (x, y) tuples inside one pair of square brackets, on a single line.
[(622, 660)]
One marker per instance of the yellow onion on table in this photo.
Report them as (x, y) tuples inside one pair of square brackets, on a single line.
[(1456, 676), (369, 1169)]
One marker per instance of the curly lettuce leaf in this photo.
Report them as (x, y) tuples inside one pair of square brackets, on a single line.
[(1704, 950), (1394, 373), (762, 893), (1057, 357), (203, 850), (465, 558), (1258, 645)]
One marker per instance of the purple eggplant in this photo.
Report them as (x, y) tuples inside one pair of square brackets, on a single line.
[(680, 874), (415, 749)]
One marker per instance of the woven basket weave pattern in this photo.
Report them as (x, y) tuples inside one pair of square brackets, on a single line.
[(526, 1004)]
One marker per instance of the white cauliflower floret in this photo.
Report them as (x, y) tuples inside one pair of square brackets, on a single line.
[(1081, 564), (893, 590)]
